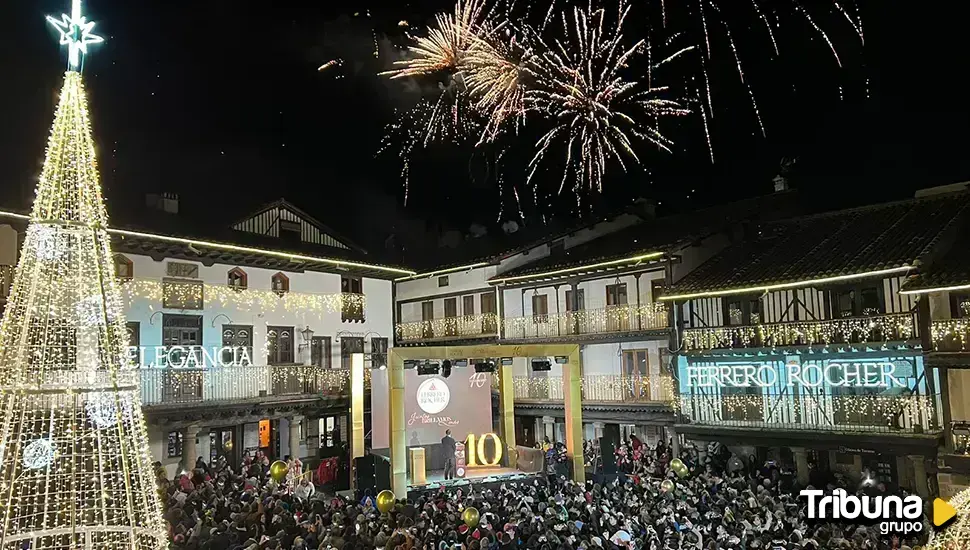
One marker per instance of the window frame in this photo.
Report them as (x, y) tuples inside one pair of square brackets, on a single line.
[(543, 316), (275, 353), (352, 311), (750, 306), (284, 283), (241, 275), (121, 259)]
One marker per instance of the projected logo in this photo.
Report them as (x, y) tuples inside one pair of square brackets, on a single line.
[(433, 395)]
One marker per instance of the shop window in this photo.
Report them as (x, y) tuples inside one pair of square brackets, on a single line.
[(237, 279), (123, 267), (280, 345), (280, 284)]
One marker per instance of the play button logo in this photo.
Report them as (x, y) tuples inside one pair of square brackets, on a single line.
[(943, 512)]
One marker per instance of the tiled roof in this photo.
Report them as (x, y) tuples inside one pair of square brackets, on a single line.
[(847, 242), (951, 268), (665, 234)]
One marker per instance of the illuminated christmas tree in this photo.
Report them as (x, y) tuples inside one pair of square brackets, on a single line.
[(75, 471)]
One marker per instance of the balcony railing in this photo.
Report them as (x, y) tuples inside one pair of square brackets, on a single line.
[(830, 413), (852, 330), (607, 320), (950, 335), (202, 385), (604, 387), (466, 326)]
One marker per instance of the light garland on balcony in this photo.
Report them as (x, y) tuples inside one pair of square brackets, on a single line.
[(599, 387), (834, 331), (191, 292), (75, 466), (465, 325), (622, 318), (752, 408), (951, 330)]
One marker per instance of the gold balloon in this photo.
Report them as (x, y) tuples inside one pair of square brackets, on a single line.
[(470, 517), (385, 501), (278, 471), (666, 485), (227, 445), (676, 464)]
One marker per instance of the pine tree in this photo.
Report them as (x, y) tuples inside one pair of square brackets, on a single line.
[(75, 470)]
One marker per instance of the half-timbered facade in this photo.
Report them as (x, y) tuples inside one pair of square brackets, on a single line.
[(802, 329)]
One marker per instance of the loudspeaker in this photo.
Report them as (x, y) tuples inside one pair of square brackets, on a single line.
[(608, 454), (373, 472)]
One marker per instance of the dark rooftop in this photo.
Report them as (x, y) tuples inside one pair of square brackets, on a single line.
[(842, 243)]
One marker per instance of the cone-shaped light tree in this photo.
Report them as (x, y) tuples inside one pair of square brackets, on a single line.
[(75, 471), (956, 535)]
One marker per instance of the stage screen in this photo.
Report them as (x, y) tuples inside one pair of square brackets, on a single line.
[(432, 404)]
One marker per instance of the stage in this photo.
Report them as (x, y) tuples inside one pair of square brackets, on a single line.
[(480, 476)]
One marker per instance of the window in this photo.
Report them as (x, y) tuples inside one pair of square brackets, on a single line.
[(580, 300), (179, 294), (182, 270), (856, 301), (290, 231), (959, 305), (280, 284), (321, 349), (442, 281), (239, 338), (175, 444), (184, 331), (280, 345), (349, 345), (451, 311), (378, 352), (616, 295), (636, 362), (657, 288), (237, 279), (743, 311), (540, 308), (133, 329), (427, 315), (123, 267), (352, 309), (486, 304), (467, 305)]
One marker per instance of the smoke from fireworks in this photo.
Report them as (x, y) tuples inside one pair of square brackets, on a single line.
[(597, 112)]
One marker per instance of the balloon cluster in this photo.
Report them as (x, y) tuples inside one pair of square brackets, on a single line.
[(678, 467)]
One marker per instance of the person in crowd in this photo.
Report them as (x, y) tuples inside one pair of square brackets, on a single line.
[(448, 446), (722, 504)]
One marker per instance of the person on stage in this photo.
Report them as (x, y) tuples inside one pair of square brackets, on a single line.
[(448, 447)]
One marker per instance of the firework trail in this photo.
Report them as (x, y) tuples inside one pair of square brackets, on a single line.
[(594, 109)]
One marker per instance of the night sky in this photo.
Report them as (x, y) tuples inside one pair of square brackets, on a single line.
[(222, 103)]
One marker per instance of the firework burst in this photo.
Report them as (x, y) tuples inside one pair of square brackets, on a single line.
[(443, 50), (596, 112), (493, 69)]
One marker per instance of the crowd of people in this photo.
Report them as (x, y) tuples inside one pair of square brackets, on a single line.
[(724, 503)]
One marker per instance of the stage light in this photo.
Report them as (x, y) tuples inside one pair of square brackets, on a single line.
[(410, 364), (428, 369), (460, 363), (446, 368), (486, 366), (562, 359), (541, 365)]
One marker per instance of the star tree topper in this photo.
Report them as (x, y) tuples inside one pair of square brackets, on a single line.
[(75, 34)]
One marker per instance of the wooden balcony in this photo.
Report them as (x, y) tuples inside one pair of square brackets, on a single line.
[(482, 325), (653, 389), (608, 320), (176, 386), (879, 413), (873, 329)]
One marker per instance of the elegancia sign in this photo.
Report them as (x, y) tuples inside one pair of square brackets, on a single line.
[(181, 357), (433, 395), (851, 374)]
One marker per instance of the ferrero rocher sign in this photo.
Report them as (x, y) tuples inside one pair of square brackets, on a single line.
[(848, 374)]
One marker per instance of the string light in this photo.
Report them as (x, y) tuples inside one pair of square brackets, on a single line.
[(883, 328), (620, 318), (465, 325), (599, 387), (195, 294), (950, 333), (75, 467)]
